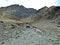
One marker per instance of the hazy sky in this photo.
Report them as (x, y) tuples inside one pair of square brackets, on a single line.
[(30, 3)]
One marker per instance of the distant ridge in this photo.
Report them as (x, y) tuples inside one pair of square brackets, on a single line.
[(18, 12)]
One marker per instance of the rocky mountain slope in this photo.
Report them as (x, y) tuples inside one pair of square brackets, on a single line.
[(26, 34), (52, 12), (21, 13), (28, 26), (16, 11)]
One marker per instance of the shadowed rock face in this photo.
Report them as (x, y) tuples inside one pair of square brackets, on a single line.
[(16, 11)]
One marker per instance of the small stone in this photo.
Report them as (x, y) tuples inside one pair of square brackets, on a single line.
[(2, 42), (58, 26), (16, 37), (27, 26), (1, 21)]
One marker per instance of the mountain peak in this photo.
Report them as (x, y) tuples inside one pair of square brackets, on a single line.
[(43, 8)]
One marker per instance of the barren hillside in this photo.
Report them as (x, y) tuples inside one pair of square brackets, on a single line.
[(28, 26)]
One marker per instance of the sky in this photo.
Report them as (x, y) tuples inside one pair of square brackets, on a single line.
[(37, 4), (58, 2)]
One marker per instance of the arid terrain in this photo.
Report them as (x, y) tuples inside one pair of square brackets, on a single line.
[(28, 26)]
